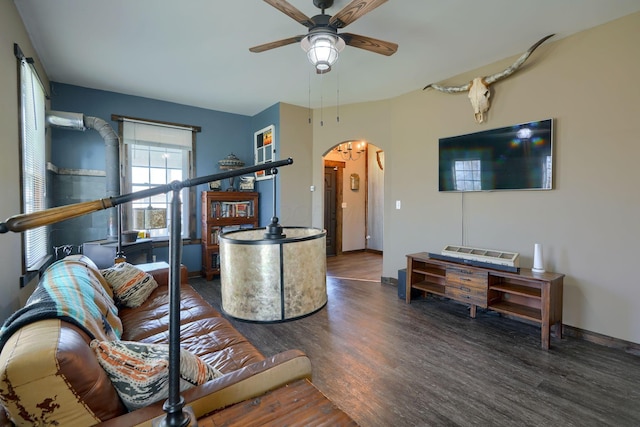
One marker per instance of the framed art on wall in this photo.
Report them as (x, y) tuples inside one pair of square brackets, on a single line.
[(264, 146)]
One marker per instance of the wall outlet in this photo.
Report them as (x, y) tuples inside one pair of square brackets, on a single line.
[(398, 204)]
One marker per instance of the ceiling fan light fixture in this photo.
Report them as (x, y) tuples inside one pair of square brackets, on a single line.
[(322, 50)]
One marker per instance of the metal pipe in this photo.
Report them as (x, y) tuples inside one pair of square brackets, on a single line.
[(65, 120), (174, 404), (112, 166), (78, 121), (23, 222)]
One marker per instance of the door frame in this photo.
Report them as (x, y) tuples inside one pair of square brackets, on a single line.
[(339, 166)]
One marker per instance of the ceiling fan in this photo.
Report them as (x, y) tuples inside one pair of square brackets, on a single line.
[(323, 43)]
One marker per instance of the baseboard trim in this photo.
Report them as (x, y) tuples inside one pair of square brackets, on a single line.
[(605, 340), (356, 251), (389, 281)]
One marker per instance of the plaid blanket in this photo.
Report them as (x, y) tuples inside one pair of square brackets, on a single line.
[(70, 290)]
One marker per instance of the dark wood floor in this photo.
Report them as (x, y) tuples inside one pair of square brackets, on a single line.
[(387, 363), (356, 265)]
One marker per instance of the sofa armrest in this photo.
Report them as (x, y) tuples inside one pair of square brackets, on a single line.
[(245, 383)]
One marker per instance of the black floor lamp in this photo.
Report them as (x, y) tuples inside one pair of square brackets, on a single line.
[(176, 415)]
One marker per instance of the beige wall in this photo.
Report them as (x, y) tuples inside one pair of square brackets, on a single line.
[(11, 31), (589, 225), (296, 142)]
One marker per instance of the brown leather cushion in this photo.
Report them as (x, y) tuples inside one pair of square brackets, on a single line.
[(216, 341), (203, 330), (153, 315)]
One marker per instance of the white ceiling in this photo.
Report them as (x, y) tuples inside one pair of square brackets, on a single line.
[(196, 52)]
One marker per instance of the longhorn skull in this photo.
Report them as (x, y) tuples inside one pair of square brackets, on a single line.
[(478, 88)]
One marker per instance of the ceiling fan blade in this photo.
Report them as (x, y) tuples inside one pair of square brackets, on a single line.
[(289, 10), (353, 11), (368, 43), (273, 45)]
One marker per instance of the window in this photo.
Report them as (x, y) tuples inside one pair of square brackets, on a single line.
[(467, 175), (36, 241), (264, 146), (156, 154)]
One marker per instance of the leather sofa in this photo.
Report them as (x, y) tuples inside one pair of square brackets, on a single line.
[(49, 374)]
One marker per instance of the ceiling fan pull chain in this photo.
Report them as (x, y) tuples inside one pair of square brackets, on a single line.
[(321, 99), (338, 97), (309, 109)]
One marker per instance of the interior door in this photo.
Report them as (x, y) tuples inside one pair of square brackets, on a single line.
[(330, 212)]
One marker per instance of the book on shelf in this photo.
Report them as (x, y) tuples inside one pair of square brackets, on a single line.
[(215, 235), (243, 209), (215, 260), (216, 209)]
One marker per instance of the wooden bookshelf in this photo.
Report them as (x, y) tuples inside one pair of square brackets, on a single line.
[(224, 211)]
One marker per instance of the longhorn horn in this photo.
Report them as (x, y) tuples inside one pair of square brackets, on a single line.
[(513, 68), (494, 77), (449, 89)]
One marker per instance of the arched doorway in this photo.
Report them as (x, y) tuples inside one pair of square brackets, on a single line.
[(354, 198)]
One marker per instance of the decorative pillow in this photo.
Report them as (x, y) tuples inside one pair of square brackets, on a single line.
[(140, 372), (131, 286)]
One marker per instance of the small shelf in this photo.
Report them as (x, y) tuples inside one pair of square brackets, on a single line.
[(430, 272), (431, 287), (523, 311), (510, 288)]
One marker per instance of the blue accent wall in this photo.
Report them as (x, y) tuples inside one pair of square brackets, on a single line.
[(270, 116), (222, 134)]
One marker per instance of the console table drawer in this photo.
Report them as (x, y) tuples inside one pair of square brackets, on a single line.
[(463, 293), (467, 277)]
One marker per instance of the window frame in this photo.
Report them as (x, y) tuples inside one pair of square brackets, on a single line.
[(33, 167), (189, 231)]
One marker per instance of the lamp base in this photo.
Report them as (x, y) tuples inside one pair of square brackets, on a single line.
[(189, 419)]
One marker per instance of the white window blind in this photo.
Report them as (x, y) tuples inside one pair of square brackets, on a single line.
[(36, 241), (157, 154), (157, 134)]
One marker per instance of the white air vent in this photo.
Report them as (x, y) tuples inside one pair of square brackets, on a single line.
[(491, 256)]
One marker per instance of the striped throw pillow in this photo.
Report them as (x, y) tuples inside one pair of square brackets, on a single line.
[(140, 372), (131, 286)]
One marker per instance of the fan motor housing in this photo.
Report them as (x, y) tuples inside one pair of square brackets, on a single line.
[(323, 4)]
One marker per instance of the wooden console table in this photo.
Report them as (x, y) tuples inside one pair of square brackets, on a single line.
[(295, 404), (536, 297)]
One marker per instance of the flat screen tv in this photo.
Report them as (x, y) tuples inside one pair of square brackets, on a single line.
[(518, 157)]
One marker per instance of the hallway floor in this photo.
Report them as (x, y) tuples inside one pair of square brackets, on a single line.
[(365, 266)]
